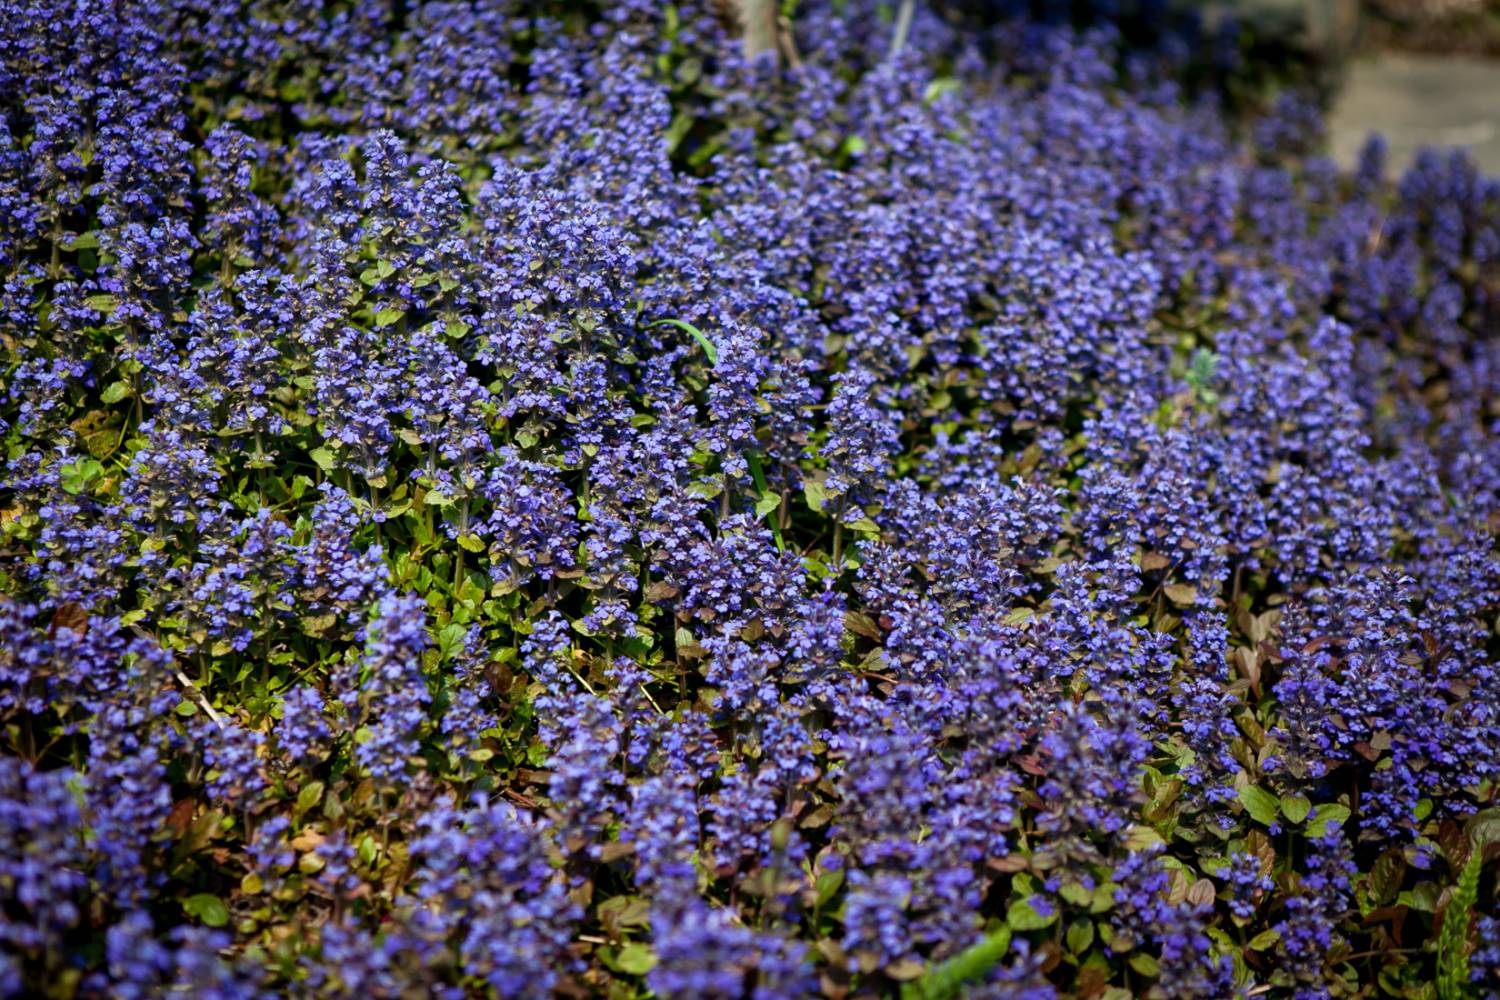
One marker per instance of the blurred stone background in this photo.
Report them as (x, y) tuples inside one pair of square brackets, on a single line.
[(1422, 72), (1425, 72), (1418, 99)]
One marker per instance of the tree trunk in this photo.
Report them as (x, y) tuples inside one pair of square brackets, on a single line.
[(903, 28), (758, 26)]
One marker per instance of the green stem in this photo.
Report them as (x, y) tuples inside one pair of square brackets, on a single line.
[(260, 465), (762, 490)]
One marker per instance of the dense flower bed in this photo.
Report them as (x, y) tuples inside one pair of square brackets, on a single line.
[(506, 498)]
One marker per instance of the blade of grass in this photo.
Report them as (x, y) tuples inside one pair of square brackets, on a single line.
[(751, 458), (753, 461), (695, 333)]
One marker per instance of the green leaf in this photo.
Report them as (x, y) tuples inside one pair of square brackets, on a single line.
[(1386, 877), (1263, 940), (944, 981), (83, 241), (310, 795), (937, 88), (1325, 818), (1075, 893), (472, 542), (469, 591), (827, 884), (105, 304), (707, 150), (437, 498), (815, 494), (451, 640), (1484, 827), (1141, 836), (1104, 898), (636, 959), (695, 333), (1295, 807), (1023, 914), (1422, 897), (1080, 935), (76, 476), (678, 130), (387, 317), (1017, 617), (208, 908), (115, 391), (903, 969), (323, 458), (624, 911), (1259, 803), (1184, 594)]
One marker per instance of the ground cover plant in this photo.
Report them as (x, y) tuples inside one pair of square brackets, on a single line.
[(513, 499)]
